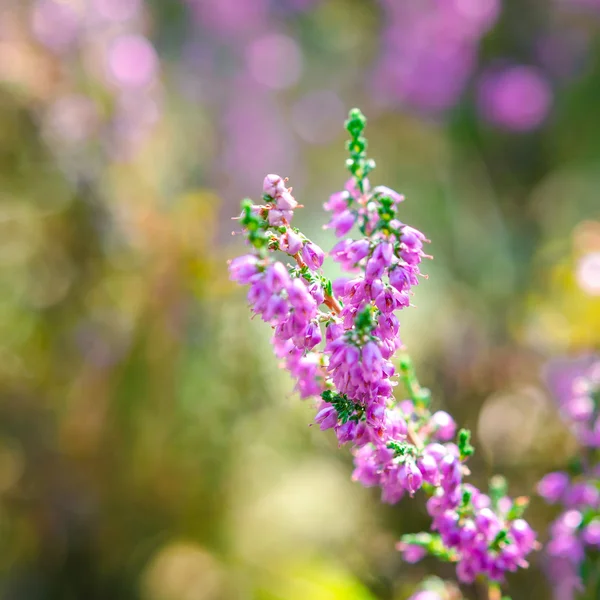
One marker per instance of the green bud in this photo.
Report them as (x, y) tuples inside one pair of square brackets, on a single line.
[(400, 448), (518, 508), (424, 397), (498, 488), (364, 320), (464, 444), (356, 122), (466, 497), (499, 539), (327, 395), (405, 364)]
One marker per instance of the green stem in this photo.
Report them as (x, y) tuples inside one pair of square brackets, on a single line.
[(494, 592), (419, 395)]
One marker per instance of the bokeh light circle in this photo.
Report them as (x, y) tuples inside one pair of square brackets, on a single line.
[(275, 60), (132, 61)]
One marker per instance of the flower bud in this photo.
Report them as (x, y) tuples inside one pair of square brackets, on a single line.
[(273, 185), (243, 268), (444, 426), (342, 223), (345, 432), (411, 476), (313, 256), (291, 242), (326, 418), (285, 201), (429, 468)]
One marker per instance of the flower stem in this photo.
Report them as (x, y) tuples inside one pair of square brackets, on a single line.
[(494, 592), (414, 437), (330, 302), (419, 395)]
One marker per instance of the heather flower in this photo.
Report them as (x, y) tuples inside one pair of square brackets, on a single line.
[(403, 447), (327, 417), (403, 277), (411, 476), (291, 242), (273, 185), (278, 218), (342, 222), (313, 256), (338, 202), (445, 427), (285, 201), (243, 268)]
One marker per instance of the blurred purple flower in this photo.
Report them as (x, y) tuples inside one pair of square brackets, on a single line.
[(553, 486), (517, 98), (430, 50), (560, 374)]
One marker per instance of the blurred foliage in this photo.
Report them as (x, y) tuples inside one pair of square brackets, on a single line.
[(149, 447)]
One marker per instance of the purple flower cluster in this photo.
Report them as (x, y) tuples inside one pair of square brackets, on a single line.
[(429, 56), (483, 533), (579, 407), (489, 539), (365, 336), (338, 339), (287, 299), (575, 534)]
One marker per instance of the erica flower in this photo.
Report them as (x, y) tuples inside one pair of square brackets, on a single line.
[(313, 256), (339, 342)]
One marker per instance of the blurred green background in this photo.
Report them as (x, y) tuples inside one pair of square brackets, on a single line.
[(149, 446)]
